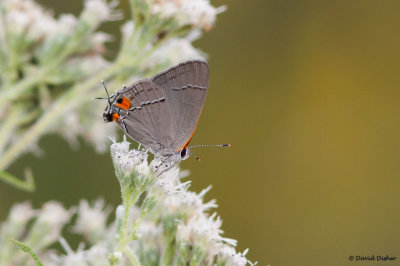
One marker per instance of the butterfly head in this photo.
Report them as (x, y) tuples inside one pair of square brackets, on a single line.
[(107, 116), (110, 114)]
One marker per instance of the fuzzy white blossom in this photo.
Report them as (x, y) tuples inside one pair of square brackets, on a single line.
[(96, 255), (92, 219), (150, 231), (48, 225), (27, 16), (93, 64), (67, 24), (239, 259), (119, 147), (175, 195), (98, 41), (128, 161), (169, 224), (21, 213), (230, 257), (97, 11), (54, 214), (197, 13), (203, 231), (174, 52), (133, 160)]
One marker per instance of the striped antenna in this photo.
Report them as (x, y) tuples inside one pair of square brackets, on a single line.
[(210, 145), (108, 96), (205, 145)]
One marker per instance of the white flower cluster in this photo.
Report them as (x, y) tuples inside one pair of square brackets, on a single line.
[(179, 216), (27, 16), (98, 11), (127, 161), (196, 13), (92, 220), (37, 228), (183, 20), (175, 51), (42, 56), (170, 225)]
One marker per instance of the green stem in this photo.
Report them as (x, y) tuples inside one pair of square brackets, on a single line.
[(129, 199), (26, 185), (168, 254), (131, 256), (7, 128), (14, 91), (135, 12), (125, 236)]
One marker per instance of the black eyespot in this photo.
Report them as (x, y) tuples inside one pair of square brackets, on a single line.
[(119, 100), (183, 153)]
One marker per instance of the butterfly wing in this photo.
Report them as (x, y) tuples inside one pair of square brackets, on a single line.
[(186, 88), (150, 121)]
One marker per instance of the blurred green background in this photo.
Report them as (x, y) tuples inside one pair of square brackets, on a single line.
[(307, 93)]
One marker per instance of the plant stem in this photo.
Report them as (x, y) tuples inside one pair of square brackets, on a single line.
[(131, 256), (27, 185), (125, 237), (7, 127), (14, 91), (168, 254)]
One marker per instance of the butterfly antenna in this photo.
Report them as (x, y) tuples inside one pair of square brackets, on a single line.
[(209, 145), (101, 98), (108, 95)]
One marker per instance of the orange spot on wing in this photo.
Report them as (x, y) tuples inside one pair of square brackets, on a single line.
[(115, 116), (125, 104)]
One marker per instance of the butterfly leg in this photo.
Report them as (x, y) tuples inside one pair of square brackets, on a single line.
[(121, 121), (167, 168), (160, 170)]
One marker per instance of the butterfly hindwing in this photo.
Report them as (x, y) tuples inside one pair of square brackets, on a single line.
[(186, 88)]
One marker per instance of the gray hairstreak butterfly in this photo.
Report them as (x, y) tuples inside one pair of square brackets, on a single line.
[(162, 112)]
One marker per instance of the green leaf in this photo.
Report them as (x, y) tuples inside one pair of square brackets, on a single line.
[(27, 249)]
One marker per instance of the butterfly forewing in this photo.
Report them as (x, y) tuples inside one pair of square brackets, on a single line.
[(186, 88), (150, 122)]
